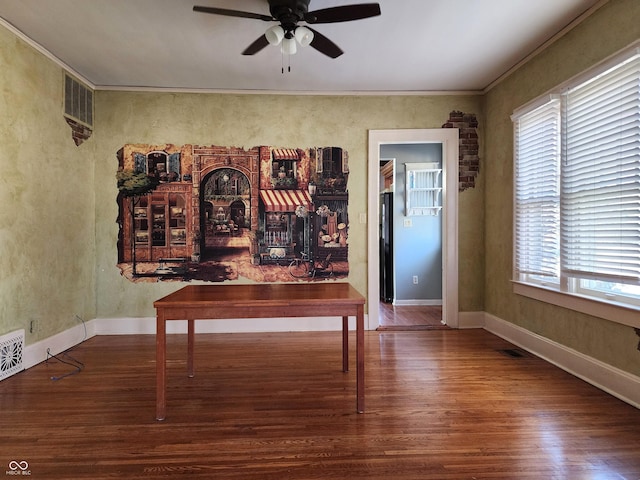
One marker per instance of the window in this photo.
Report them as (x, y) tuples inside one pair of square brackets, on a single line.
[(284, 168), (164, 166), (423, 190), (537, 181), (577, 187), (332, 161)]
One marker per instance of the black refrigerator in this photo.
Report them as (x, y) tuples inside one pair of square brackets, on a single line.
[(386, 247)]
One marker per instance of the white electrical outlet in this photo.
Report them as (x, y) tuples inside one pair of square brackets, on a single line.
[(415, 279)]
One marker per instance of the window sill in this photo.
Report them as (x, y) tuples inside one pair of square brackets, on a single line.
[(614, 312)]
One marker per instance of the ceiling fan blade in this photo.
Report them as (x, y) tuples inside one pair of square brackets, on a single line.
[(324, 45), (344, 13), (233, 13), (256, 46)]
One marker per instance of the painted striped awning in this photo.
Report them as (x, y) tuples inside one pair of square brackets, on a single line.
[(285, 154), (285, 200)]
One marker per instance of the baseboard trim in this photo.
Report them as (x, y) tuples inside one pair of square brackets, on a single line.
[(471, 320), (138, 326), (612, 380), (37, 352), (418, 302)]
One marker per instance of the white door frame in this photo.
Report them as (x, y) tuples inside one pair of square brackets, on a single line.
[(449, 139)]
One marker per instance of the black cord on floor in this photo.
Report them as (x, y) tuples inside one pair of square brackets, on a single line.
[(76, 364)]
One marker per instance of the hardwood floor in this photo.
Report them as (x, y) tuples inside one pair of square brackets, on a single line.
[(410, 317), (440, 404)]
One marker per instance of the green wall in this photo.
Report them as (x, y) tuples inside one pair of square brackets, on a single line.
[(611, 28), (247, 121), (47, 213), (58, 228)]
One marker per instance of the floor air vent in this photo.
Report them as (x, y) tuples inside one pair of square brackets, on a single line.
[(512, 352), (11, 348)]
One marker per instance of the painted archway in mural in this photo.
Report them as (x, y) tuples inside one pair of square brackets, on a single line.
[(225, 203)]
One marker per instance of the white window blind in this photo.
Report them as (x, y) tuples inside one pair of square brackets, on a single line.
[(601, 177), (537, 208)]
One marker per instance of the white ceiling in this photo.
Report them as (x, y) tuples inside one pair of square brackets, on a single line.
[(414, 46)]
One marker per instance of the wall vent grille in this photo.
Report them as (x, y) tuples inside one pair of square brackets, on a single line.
[(78, 101), (11, 348)]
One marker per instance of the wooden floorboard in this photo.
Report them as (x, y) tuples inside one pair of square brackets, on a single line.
[(410, 317), (440, 404)]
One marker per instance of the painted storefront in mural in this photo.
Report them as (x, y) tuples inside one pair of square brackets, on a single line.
[(217, 213)]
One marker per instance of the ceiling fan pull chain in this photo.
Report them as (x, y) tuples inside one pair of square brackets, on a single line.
[(288, 62)]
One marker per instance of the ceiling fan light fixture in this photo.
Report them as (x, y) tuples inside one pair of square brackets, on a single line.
[(274, 34), (288, 13), (304, 36), (289, 46)]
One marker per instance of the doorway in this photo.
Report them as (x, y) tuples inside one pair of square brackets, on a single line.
[(410, 236), (448, 138)]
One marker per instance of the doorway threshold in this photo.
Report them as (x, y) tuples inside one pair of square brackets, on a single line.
[(410, 328)]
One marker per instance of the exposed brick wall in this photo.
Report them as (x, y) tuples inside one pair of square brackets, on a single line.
[(468, 159), (79, 133)]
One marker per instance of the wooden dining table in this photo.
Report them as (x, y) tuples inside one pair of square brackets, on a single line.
[(272, 300)]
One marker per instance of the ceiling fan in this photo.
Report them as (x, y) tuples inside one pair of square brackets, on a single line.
[(288, 13)]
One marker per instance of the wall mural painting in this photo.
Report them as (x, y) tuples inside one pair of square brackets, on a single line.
[(216, 213)]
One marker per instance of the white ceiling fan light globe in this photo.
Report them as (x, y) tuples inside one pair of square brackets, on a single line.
[(289, 46), (274, 34), (304, 36)]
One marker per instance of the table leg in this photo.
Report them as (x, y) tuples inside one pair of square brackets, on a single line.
[(161, 367), (360, 359), (191, 339), (345, 344)]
